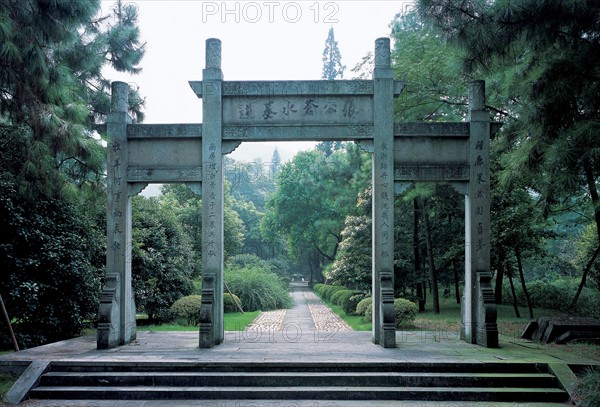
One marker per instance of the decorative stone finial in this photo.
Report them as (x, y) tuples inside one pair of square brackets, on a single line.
[(213, 53), (120, 97), (382, 53), (477, 95)]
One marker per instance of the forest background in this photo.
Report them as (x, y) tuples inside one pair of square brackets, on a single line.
[(308, 217)]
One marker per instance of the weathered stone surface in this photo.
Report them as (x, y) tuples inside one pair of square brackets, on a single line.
[(117, 310), (358, 110), (298, 132), (166, 153), (437, 130), (179, 130), (428, 172), (529, 330), (579, 336), (384, 324), (562, 330), (302, 110)]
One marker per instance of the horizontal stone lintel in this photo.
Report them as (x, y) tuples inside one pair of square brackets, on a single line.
[(296, 88), (177, 130), (298, 132), (194, 130), (151, 175), (431, 172), (439, 129)]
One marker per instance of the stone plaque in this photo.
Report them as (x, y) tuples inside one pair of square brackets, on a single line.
[(298, 110)]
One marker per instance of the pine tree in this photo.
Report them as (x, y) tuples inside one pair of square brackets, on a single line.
[(52, 91), (332, 59), (544, 56), (275, 162), (332, 69), (52, 83)]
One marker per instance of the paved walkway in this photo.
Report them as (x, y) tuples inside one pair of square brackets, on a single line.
[(309, 314), (295, 336)]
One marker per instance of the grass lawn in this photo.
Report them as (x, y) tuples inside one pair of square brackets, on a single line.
[(233, 321), (6, 382), (449, 318), (356, 322)]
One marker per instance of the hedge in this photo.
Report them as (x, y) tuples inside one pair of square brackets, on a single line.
[(352, 302), (188, 308), (406, 311), (339, 296), (329, 290), (364, 308)]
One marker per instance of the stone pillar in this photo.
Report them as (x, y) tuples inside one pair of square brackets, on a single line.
[(384, 327), (211, 314), (116, 315), (478, 308)]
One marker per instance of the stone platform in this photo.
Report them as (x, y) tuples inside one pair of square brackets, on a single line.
[(296, 339)]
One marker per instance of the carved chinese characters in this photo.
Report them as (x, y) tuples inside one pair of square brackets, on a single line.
[(297, 110), (354, 110)]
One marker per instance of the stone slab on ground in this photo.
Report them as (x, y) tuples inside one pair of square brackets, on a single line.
[(548, 329), (274, 403)]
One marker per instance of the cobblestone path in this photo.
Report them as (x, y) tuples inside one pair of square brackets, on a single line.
[(308, 312)]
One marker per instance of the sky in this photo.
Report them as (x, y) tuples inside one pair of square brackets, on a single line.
[(261, 40)]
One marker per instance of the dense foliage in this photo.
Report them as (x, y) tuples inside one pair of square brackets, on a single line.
[(257, 288), (314, 194), (587, 391), (541, 59), (311, 215), (50, 257), (162, 259), (52, 90)]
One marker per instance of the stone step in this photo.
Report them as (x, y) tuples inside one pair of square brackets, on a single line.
[(283, 379), (274, 367), (300, 393), (465, 382)]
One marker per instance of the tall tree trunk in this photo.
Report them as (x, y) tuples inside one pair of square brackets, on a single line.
[(433, 273), (509, 272), (499, 276), (522, 278), (588, 267), (417, 265), (456, 284), (591, 181)]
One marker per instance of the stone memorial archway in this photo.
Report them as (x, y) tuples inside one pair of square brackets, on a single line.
[(357, 110)]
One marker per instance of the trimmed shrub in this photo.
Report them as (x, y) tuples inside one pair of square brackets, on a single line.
[(369, 313), (318, 288), (188, 308), (258, 289), (336, 296), (365, 308), (350, 305), (343, 299), (229, 302), (406, 311), (325, 292), (329, 290)]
